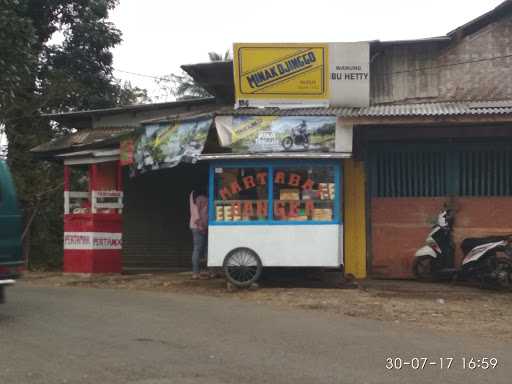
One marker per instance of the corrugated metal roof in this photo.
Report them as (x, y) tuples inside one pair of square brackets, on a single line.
[(315, 111), (435, 109), (182, 116), (502, 107), (129, 108), (102, 136), (81, 139)]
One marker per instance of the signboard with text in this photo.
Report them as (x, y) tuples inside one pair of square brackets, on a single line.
[(257, 134), (298, 75)]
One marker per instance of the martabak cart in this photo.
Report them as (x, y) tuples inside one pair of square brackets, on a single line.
[(274, 213)]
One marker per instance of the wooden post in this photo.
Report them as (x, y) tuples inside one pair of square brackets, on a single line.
[(93, 173), (67, 171), (119, 176), (66, 177), (354, 218)]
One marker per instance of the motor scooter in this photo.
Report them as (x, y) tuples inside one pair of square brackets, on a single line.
[(486, 260)]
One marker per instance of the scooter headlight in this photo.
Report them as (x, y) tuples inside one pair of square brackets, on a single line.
[(431, 242)]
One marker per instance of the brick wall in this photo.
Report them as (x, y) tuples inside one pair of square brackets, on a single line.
[(401, 225)]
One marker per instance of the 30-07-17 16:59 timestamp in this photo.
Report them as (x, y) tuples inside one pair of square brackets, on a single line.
[(419, 363)]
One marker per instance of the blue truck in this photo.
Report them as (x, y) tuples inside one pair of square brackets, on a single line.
[(10, 231)]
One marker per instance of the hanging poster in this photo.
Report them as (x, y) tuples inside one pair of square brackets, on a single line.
[(302, 74), (277, 133), (126, 151), (165, 145)]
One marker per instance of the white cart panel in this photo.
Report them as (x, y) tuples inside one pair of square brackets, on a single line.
[(279, 245)]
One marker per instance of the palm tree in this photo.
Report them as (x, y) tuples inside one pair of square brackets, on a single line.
[(214, 56), (183, 87)]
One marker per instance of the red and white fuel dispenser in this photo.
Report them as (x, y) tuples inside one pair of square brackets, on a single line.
[(93, 218)]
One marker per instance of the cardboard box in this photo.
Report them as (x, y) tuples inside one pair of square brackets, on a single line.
[(219, 213), (322, 214), (298, 218), (289, 194), (228, 214), (323, 189), (332, 191)]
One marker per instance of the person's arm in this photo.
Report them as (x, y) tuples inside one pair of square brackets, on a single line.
[(202, 205)]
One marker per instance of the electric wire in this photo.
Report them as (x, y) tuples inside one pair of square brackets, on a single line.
[(420, 69)]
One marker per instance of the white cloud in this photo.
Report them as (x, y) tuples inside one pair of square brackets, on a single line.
[(160, 35)]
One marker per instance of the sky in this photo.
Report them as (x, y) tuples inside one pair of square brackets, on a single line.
[(161, 35)]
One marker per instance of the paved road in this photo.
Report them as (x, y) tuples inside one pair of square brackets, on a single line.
[(80, 335)]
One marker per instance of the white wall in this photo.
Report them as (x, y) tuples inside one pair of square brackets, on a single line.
[(279, 245)]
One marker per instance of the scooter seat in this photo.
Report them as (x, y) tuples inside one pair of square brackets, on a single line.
[(471, 242)]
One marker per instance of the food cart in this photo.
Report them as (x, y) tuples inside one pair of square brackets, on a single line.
[(274, 213)]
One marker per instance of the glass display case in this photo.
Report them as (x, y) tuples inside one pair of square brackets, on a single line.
[(280, 213)]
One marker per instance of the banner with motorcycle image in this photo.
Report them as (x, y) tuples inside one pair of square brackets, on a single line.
[(165, 145), (252, 134)]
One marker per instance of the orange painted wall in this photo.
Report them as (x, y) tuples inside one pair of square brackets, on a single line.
[(399, 226)]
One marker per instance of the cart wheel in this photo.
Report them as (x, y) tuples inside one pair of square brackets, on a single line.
[(242, 267)]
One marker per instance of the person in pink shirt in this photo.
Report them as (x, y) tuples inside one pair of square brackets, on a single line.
[(199, 227)]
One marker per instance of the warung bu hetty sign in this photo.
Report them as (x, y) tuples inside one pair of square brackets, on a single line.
[(290, 75)]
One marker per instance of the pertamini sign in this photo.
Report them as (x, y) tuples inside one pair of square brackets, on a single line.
[(283, 75)]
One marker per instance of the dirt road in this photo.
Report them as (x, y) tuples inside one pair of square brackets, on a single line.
[(84, 335), (455, 309)]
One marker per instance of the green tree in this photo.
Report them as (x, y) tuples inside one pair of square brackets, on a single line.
[(39, 76), (183, 87)]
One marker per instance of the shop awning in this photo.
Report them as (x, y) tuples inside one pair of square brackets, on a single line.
[(90, 156), (81, 140)]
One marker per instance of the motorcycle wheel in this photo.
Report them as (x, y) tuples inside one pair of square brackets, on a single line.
[(502, 274), (422, 268), (287, 142)]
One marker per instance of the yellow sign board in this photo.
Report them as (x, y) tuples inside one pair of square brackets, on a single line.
[(281, 72)]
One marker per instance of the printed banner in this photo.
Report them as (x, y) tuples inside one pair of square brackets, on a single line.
[(277, 133), (166, 145), (126, 151), (302, 74), (92, 240)]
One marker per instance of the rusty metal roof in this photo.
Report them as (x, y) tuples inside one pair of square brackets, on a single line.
[(128, 108), (393, 110), (80, 139)]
